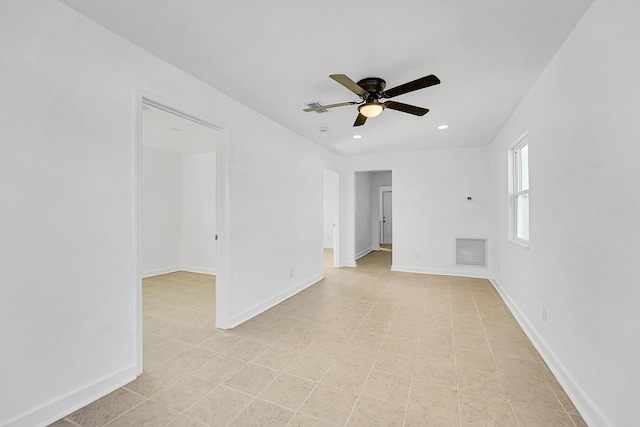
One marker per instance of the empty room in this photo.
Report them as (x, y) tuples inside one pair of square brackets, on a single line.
[(414, 213)]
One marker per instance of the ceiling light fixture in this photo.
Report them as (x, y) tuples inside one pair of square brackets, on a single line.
[(371, 109), (175, 129), (443, 126), (357, 136)]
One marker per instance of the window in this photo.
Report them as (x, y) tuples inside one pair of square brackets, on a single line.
[(520, 187)]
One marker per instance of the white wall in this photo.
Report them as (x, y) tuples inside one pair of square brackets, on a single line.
[(277, 216), (429, 207), (362, 218), (67, 185), (161, 212), (198, 225), (581, 116), (329, 205), (178, 212)]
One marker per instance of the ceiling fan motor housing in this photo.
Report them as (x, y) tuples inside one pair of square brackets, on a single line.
[(374, 87)]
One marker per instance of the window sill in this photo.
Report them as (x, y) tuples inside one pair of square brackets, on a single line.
[(520, 243)]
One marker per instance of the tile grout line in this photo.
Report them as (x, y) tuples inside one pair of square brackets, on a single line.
[(455, 359), (373, 364), (424, 315)]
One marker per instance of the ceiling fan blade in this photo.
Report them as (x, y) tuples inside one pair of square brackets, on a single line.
[(360, 120), (349, 84), (406, 108), (324, 107), (421, 83)]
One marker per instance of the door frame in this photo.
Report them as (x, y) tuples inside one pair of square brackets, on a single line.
[(223, 315), (336, 215), (382, 189)]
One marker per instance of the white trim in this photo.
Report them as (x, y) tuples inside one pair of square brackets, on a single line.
[(223, 226), (191, 269), (66, 404), (263, 306), (363, 253), (519, 243), (336, 214), (195, 269), (579, 398), (382, 189), (159, 271), (170, 107), (137, 227), (480, 273), (514, 180)]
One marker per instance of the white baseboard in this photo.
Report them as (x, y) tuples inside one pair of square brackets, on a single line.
[(579, 398), (189, 268), (328, 246), (363, 253), (159, 271), (62, 406), (477, 274), (350, 264), (202, 270), (273, 301)]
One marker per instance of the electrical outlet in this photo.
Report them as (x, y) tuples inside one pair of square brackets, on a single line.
[(417, 255), (544, 313), (291, 273)]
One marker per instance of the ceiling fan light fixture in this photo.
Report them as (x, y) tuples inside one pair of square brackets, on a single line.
[(371, 109)]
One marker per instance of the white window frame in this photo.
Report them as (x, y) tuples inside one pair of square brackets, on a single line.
[(516, 190)]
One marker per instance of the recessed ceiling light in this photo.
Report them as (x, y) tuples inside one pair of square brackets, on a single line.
[(443, 126), (175, 129), (357, 136)]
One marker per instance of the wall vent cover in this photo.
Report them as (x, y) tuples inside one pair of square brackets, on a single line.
[(317, 104), (471, 252)]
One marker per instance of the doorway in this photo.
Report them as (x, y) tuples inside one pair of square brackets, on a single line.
[(372, 227), (330, 215), (386, 216), (200, 164)]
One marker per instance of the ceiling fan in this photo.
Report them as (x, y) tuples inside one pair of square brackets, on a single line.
[(372, 89)]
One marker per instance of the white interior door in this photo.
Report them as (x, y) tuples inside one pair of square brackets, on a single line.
[(387, 219)]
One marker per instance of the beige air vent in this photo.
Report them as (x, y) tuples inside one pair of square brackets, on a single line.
[(471, 252), (315, 105)]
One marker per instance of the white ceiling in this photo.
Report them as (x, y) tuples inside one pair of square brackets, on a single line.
[(276, 55), (165, 131)]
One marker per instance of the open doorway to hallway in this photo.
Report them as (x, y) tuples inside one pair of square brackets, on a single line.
[(385, 217), (330, 219), (373, 212)]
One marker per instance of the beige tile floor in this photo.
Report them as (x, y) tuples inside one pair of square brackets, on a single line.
[(363, 347)]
